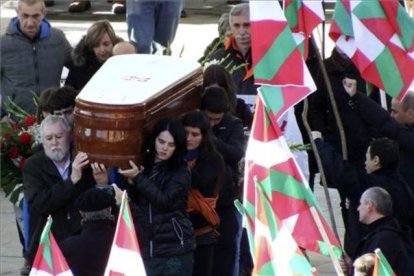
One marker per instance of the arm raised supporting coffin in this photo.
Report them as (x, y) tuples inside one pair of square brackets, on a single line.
[(117, 109)]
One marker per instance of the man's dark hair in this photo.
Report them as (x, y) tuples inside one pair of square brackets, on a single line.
[(387, 152), (63, 98), (214, 99), (217, 74)]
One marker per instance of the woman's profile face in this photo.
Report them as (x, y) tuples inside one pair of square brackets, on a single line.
[(193, 137), (103, 50), (164, 146)]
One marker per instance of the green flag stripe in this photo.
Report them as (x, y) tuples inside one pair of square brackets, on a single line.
[(300, 265), (388, 71), (406, 25), (343, 19), (267, 269), (273, 98), (45, 239), (323, 247), (270, 215), (126, 216), (290, 187), (274, 58), (369, 10), (291, 15)]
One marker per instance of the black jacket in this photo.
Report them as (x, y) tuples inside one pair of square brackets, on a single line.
[(394, 242), (159, 208), (375, 116), (85, 65), (87, 253), (230, 142), (352, 181), (48, 194), (321, 114), (207, 176), (243, 76)]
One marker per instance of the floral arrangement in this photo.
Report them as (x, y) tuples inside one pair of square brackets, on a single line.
[(18, 137)]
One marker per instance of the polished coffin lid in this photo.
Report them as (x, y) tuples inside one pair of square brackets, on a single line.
[(136, 78), (117, 109)]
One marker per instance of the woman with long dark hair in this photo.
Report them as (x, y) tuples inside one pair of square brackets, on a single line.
[(159, 194), (207, 173)]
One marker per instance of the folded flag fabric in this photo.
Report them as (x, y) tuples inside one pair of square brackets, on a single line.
[(278, 63), (270, 162), (379, 38), (274, 250), (381, 266), (303, 16), (49, 259), (125, 257)]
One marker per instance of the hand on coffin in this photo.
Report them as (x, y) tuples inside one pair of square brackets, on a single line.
[(81, 160), (99, 173), (132, 172)]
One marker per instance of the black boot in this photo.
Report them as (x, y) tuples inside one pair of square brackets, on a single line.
[(79, 6)]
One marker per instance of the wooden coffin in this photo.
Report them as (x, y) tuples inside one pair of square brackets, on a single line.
[(118, 107)]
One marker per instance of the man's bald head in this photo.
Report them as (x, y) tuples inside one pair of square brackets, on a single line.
[(123, 48), (403, 112)]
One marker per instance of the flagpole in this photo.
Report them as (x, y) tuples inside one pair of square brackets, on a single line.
[(325, 237), (326, 192), (332, 100)]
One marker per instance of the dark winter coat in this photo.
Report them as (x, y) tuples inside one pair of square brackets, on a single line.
[(230, 143), (394, 242), (375, 116), (87, 253), (321, 114), (243, 77), (48, 194), (31, 65), (85, 65), (207, 176), (159, 208), (352, 182)]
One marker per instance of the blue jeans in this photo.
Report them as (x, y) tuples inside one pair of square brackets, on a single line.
[(150, 21)]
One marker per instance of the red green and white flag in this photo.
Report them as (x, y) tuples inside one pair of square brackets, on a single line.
[(49, 259), (275, 250), (125, 257), (379, 38), (382, 267), (303, 16), (270, 162), (277, 61)]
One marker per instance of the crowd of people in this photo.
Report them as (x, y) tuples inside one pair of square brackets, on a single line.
[(182, 195)]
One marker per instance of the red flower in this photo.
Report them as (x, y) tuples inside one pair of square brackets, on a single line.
[(21, 163), (30, 120), (15, 127), (25, 138), (13, 152)]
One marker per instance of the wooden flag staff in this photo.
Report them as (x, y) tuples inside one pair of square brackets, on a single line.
[(317, 156)]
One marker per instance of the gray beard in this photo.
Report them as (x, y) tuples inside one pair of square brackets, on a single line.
[(57, 155)]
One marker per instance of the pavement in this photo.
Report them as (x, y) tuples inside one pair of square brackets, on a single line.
[(194, 33)]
